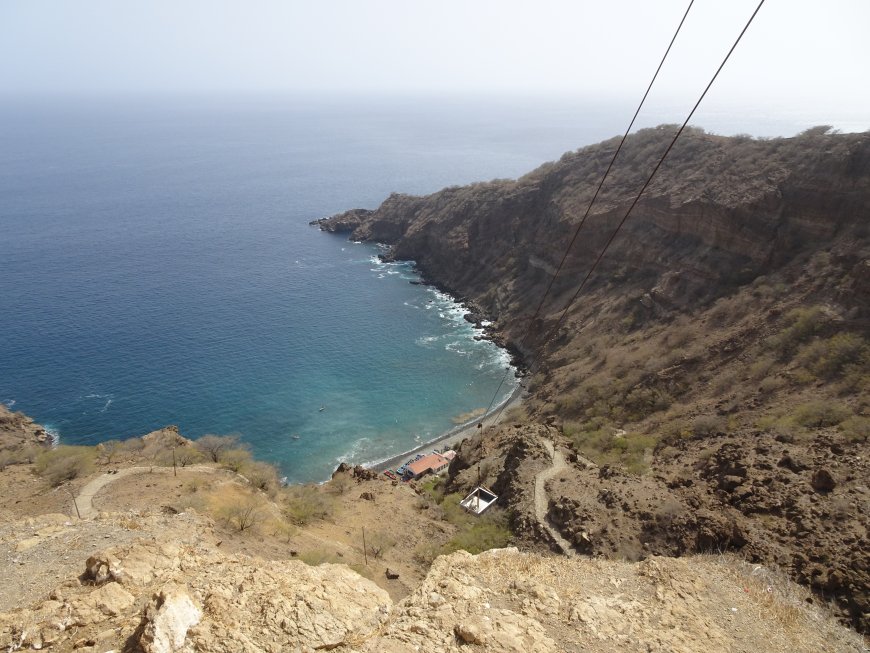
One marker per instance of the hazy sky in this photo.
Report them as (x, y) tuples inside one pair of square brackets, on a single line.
[(800, 54)]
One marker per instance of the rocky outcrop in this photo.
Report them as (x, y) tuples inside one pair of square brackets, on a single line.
[(503, 601), (18, 430)]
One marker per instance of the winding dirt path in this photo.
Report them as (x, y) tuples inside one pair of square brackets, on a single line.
[(542, 501)]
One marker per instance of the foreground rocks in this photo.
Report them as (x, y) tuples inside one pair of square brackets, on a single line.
[(160, 598)]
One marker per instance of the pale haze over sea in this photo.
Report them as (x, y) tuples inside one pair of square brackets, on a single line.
[(157, 267)]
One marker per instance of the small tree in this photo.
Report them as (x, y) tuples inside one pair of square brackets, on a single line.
[(110, 450), (187, 455), (214, 446)]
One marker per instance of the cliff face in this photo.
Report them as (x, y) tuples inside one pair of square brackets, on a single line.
[(721, 211)]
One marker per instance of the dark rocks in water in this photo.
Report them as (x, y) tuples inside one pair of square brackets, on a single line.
[(343, 468)]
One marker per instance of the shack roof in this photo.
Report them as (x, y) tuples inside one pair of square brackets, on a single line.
[(432, 461)]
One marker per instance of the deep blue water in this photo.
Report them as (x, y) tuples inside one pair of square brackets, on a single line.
[(157, 267)]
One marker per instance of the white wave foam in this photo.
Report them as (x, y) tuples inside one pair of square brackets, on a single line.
[(106, 407), (9, 403), (353, 454)]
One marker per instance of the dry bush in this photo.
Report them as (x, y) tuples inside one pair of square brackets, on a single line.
[(242, 514), (771, 384), (64, 463), (341, 483), (21, 455), (236, 460), (707, 425), (213, 446), (280, 529), (379, 542), (187, 455), (262, 476), (761, 368), (110, 450)]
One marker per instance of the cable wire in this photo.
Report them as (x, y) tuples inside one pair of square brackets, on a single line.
[(561, 319), (591, 203)]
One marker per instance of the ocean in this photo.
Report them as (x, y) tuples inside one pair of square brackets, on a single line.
[(157, 267)]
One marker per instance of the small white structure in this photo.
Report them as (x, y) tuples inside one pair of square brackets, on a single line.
[(479, 500)]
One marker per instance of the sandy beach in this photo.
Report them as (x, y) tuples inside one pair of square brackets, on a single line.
[(455, 435)]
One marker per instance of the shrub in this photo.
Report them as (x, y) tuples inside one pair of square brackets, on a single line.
[(64, 463), (818, 414), (771, 385), (707, 425)]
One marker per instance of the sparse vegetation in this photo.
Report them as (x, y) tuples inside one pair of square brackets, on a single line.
[(303, 504)]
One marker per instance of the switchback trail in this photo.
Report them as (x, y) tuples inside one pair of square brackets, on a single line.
[(542, 501)]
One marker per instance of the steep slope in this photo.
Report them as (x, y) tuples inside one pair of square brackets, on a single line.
[(716, 366)]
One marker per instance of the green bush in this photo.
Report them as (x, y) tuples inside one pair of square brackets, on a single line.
[(818, 414), (64, 463)]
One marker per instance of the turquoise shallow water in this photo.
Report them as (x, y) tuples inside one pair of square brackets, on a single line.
[(157, 267)]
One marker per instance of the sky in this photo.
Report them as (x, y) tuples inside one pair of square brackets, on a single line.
[(798, 54)]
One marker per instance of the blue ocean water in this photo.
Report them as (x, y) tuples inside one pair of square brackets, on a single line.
[(157, 267)]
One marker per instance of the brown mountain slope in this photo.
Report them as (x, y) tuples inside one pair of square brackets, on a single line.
[(717, 365)]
